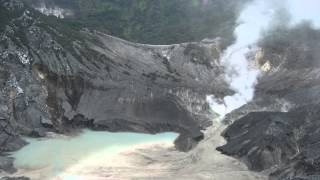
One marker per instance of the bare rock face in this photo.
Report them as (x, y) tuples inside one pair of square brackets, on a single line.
[(55, 78), (6, 164), (14, 178), (267, 139), (278, 131)]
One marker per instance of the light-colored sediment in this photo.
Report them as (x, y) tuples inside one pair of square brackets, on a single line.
[(160, 161)]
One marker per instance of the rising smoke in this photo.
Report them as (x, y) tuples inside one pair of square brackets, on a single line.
[(256, 18), (253, 19), (56, 11)]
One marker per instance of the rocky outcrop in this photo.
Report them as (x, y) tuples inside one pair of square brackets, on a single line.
[(14, 178), (286, 139), (55, 78), (6, 164), (278, 131)]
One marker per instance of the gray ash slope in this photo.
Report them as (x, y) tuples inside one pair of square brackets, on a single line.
[(54, 78), (278, 132)]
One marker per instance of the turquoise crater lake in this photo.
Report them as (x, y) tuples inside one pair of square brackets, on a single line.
[(50, 157)]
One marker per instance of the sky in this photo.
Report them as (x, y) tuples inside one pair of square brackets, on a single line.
[(305, 10)]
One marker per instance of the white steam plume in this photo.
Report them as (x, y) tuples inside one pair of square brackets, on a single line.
[(58, 12), (53, 10), (254, 19)]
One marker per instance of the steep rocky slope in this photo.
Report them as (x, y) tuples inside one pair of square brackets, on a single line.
[(278, 132), (54, 78)]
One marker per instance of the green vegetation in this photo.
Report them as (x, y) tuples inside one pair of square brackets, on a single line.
[(154, 21), (4, 20), (6, 16)]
